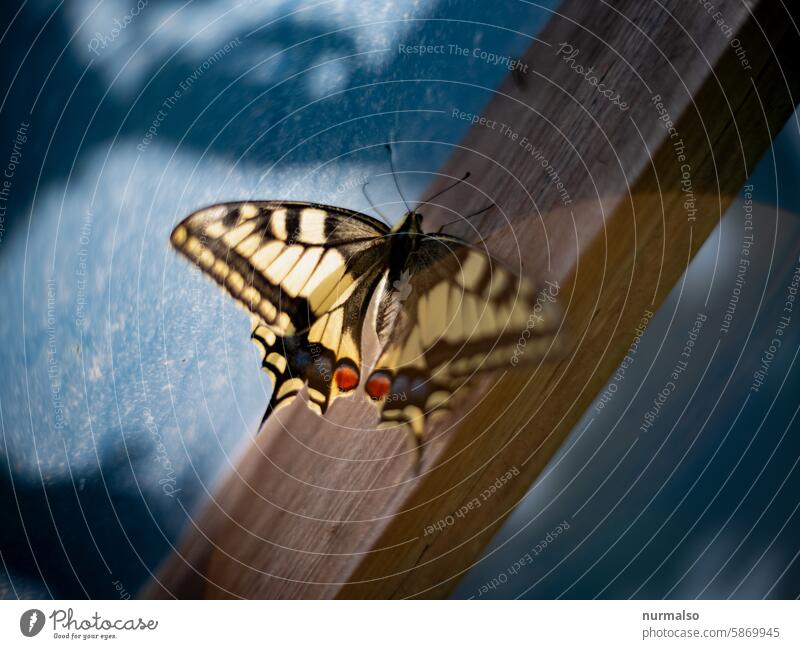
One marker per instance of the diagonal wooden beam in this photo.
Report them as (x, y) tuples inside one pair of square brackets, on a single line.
[(610, 201)]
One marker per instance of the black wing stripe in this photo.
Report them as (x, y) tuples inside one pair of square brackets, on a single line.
[(231, 265)]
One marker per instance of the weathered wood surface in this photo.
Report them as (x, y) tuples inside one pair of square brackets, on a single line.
[(329, 509)]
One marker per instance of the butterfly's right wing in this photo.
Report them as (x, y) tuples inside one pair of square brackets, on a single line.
[(459, 313), (305, 271)]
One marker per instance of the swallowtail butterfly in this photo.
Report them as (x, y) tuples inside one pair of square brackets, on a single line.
[(443, 309)]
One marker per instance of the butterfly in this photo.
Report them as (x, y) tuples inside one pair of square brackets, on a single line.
[(443, 310)]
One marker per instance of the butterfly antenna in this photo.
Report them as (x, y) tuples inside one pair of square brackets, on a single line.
[(469, 216), (394, 175), (372, 205), (448, 188)]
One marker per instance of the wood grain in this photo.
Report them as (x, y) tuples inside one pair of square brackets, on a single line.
[(331, 508)]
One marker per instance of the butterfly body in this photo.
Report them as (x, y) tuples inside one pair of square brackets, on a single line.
[(309, 273)]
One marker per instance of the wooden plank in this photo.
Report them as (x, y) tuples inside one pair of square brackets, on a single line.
[(329, 509)]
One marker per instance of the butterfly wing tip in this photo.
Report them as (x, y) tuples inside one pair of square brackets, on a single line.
[(178, 236)]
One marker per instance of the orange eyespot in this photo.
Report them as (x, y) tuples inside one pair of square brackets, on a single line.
[(346, 378), (378, 385)]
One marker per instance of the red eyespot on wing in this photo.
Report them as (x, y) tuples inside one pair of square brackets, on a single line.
[(378, 385), (346, 377)]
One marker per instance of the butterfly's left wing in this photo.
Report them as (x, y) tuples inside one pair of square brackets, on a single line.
[(454, 314), (306, 273)]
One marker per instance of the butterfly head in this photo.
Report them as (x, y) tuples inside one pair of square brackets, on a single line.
[(410, 224)]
